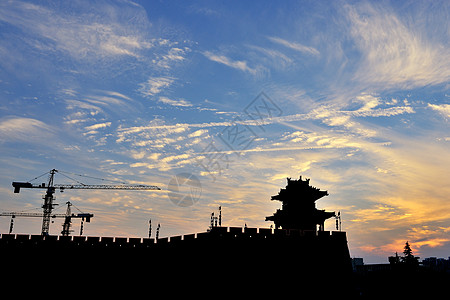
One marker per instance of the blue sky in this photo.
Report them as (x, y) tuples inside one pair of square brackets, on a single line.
[(351, 94)]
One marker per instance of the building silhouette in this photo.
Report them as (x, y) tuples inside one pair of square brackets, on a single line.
[(299, 209)]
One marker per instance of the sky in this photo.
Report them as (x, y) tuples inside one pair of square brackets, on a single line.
[(220, 102)]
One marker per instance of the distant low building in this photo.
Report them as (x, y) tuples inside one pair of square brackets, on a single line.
[(357, 261), (435, 263)]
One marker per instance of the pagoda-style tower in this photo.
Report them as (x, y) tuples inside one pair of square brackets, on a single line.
[(299, 207)]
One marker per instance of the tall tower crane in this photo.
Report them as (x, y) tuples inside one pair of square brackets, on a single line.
[(67, 218), (51, 188)]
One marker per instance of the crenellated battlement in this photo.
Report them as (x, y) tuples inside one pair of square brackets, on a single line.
[(217, 233)]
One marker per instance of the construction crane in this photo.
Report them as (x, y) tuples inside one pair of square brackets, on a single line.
[(67, 221), (51, 187)]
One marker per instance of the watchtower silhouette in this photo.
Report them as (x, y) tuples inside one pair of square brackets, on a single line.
[(299, 208)]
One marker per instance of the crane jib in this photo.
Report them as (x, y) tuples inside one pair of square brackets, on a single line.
[(106, 187), (18, 185)]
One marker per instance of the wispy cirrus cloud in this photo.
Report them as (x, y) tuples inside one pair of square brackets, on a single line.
[(113, 40), (173, 102), (295, 46), (98, 126), (82, 36), (325, 112), (340, 132), (155, 85), (94, 103), (240, 65), (24, 129), (393, 53), (171, 56)]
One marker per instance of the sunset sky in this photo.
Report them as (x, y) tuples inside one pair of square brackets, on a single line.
[(241, 95)]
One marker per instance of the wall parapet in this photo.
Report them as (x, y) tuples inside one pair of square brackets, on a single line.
[(227, 233)]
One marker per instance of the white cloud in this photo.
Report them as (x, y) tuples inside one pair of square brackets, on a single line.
[(155, 135), (174, 157), (444, 109), (179, 102), (154, 156), (118, 95), (141, 164), (384, 112), (107, 34), (77, 104), (235, 64), (334, 116), (295, 46), (98, 126), (168, 128), (23, 129), (329, 115), (155, 85), (106, 101), (273, 58), (166, 163), (369, 101), (95, 107), (393, 53), (315, 140), (198, 133), (173, 55)]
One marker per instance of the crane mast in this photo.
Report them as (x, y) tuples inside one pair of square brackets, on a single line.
[(67, 221), (49, 198), (48, 203)]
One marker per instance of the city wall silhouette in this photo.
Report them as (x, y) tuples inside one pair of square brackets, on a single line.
[(299, 258), (232, 255)]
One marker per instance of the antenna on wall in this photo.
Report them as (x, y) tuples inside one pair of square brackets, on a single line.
[(212, 220), (11, 225), (149, 228), (157, 230), (338, 221)]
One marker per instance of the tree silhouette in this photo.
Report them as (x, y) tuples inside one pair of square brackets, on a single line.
[(407, 250), (408, 257)]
